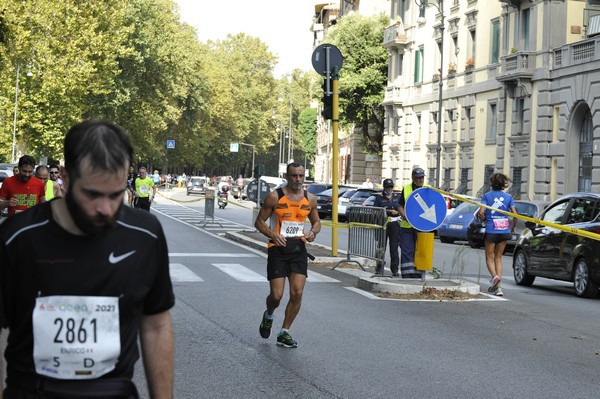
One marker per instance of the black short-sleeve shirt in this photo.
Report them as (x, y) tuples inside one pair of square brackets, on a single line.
[(40, 258)]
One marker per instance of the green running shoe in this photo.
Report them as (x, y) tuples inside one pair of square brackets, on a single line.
[(265, 326), (285, 339)]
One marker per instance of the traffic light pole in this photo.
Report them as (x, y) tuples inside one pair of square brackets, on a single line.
[(327, 61), (335, 150)]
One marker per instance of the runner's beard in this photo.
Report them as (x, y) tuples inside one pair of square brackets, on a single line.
[(93, 226)]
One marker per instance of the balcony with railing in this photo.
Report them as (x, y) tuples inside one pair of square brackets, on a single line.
[(578, 53), (517, 66), (394, 36), (393, 141), (395, 95)]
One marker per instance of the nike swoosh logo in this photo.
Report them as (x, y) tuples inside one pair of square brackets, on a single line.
[(116, 259)]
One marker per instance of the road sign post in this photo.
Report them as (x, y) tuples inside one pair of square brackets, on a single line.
[(425, 210), (327, 60)]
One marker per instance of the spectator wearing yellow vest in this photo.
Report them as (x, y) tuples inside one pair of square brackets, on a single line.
[(408, 235), (52, 188)]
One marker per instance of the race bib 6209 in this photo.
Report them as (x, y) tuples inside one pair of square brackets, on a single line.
[(292, 229)]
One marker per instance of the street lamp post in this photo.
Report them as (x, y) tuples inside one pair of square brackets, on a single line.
[(14, 137), (291, 140), (438, 149), (281, 147)]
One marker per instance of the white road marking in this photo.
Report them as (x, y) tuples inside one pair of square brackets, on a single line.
[(314, 277), (208, 233), (239, 272), (180, 273)]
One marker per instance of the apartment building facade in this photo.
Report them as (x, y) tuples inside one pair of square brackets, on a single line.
[(518, 95)]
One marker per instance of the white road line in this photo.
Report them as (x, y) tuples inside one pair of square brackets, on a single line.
[(314, 277), (208, 233), (180, 273), (239, 272), (210, 255), (185, 210)]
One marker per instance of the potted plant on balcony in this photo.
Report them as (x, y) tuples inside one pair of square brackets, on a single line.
[(451, 68), (470, 64)]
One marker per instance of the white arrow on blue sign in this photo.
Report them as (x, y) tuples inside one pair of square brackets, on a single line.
[(425, 209), (170, 143)]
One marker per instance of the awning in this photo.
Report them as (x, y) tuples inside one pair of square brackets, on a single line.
[(593, 28)]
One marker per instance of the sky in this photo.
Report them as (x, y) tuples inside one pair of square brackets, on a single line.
[(284, 25)]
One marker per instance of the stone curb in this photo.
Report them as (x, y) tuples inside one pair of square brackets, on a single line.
[(414, 286), (366, 280)]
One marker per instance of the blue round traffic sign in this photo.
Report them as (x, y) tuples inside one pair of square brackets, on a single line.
[(425, 209)]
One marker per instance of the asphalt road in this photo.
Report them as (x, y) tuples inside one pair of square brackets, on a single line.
[(541, 342)]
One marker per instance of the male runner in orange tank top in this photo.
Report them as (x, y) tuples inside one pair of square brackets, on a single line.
[(288, 208)]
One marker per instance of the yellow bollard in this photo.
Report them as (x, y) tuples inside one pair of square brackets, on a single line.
[(424, 251)]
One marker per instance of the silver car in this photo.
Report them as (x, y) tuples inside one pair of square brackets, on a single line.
[(197, 185)]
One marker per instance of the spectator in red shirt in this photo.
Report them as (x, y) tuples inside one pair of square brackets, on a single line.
[(23, 190)]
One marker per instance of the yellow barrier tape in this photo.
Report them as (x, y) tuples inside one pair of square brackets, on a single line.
[(352, 224), (571, 230), (331, 224)]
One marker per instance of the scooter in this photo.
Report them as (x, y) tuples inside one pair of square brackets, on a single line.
[(222, 200)]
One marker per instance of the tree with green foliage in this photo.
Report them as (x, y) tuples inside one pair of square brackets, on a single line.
[(307, 133), (239, 71), (135, 62), (363, 76), (160, 91), (296, 91), (70, 49)]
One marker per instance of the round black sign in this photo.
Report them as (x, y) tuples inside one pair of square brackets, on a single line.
[(319, 58), (252, 190)]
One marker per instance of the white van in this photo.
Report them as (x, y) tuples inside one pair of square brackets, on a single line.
[(273, 180)]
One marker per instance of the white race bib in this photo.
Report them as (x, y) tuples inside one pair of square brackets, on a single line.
[(76, 337), (144, 189), (501, 224), (291, 229)]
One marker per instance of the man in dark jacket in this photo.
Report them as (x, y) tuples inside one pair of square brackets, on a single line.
[(388, 200)]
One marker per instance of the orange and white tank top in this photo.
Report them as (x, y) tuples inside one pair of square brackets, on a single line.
[(289, 217)]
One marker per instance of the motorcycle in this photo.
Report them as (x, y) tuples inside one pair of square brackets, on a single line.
[(222, 199)]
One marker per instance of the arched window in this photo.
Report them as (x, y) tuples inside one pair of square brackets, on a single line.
[(586, 136)]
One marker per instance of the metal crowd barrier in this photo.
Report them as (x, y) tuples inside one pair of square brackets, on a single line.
[(367, 237)]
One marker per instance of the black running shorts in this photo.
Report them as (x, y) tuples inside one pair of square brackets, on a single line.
[(497, 238), (282, 261)]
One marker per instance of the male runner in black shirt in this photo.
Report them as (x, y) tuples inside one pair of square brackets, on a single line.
[(97, 276)]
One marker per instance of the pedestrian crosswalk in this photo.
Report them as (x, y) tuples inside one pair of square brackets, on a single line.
[(197, 218), (239, 272), (182, 274)]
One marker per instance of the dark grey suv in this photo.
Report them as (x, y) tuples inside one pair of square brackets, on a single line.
[(549, 252)]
